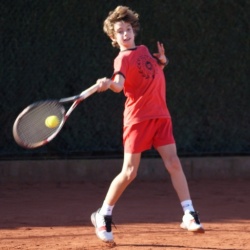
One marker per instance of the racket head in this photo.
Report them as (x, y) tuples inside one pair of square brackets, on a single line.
[(29, 129)]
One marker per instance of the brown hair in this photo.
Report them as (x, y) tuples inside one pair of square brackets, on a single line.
[(121, 13)]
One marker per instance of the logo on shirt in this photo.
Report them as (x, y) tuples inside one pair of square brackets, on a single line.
[(147, 67)]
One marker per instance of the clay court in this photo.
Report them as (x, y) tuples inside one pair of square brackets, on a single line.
[(56, 216), (56, 49)]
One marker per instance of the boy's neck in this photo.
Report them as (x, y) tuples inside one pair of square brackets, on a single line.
[(125, 49)]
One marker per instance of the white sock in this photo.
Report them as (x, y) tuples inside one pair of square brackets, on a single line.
[(106, 209), (187, 205)]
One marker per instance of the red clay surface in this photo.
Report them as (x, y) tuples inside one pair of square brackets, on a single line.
[(147, 216)]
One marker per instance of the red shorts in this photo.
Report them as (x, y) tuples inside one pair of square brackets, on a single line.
[(142, 136)]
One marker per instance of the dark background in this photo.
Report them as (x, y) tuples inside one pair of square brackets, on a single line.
[(55, 49)]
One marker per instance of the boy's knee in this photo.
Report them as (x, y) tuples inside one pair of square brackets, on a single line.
[(129, 175), (173, 164)]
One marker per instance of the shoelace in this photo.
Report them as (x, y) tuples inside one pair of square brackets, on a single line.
[(196, 217), (108, 223)]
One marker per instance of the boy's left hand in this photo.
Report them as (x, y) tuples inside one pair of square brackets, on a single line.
[(161, 53)]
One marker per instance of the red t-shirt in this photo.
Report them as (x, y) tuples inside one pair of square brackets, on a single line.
[(144, 85)]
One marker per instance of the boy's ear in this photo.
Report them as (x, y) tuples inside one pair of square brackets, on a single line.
[(112, 38)]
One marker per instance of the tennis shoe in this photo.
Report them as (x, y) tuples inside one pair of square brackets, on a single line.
[(191, 222), (103, 226)]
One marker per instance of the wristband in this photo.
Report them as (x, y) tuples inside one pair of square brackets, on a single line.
[(163, 64)]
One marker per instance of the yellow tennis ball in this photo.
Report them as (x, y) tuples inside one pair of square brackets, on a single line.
[(52, 121)]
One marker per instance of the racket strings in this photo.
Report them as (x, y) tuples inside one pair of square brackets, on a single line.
[(30, 128)]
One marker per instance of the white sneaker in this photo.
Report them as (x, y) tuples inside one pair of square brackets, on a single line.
[(102, 226), (191, 222)]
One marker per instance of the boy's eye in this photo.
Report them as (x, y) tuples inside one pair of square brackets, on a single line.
[(119, 31), (122, 31)]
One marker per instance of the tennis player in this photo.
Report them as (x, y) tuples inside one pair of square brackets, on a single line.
[(147, 121)]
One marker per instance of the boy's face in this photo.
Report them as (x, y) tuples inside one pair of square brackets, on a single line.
[(124, 35)]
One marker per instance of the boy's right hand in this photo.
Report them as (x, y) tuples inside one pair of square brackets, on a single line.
[(103, 84)]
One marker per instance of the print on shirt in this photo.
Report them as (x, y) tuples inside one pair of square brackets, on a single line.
[(147, 67)]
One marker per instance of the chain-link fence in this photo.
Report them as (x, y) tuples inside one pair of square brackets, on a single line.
[(54, 49)]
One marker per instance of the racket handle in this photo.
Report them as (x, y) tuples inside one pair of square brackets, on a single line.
[(86, 93)]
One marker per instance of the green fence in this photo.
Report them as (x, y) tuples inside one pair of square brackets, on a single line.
[(54, 49)]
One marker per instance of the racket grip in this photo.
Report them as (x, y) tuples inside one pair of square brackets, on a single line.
[(91, 90)]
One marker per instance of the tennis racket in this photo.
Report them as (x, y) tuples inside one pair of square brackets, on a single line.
[(30, 130)]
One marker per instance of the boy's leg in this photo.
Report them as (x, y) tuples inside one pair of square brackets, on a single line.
[(124, 178), (173, 165), (102, 219)]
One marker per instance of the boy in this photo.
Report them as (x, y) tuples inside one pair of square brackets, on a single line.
[(147, 121)]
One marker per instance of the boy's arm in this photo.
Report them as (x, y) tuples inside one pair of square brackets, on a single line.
[(160, 56), (116, 85)]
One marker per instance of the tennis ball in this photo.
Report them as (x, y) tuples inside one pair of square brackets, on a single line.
[(52, 121)]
